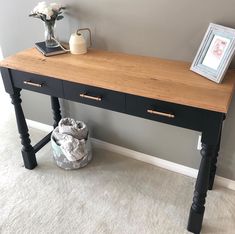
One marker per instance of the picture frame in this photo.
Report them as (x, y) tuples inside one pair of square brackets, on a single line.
[(215, 52)]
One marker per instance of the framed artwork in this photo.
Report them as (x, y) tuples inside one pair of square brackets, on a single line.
[(215, 53)]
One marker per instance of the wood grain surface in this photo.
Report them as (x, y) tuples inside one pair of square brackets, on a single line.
[(149, 77)]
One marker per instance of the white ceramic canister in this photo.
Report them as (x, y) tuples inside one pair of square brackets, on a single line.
[(77, 42)]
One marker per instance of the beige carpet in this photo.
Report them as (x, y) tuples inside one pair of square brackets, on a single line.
[(113, 195)]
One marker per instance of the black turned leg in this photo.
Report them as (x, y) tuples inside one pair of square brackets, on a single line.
[(201, 187), (27, 150), (213, 165), (55, 105)]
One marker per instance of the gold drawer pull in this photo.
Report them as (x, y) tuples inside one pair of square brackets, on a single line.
[(29, 82), (161, 113), (84, 95)]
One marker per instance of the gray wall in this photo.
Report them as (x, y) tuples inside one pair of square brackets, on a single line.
[(161, 28)]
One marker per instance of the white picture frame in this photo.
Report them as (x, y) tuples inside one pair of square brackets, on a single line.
[(215, 53)]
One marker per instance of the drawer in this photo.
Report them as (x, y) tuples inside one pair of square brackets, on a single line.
[(165, 112), (37, 83), (94, 96)]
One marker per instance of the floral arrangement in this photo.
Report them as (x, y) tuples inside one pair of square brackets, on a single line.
[(48, 12)]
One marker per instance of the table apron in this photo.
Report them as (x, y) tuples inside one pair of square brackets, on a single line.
[(156, 110)]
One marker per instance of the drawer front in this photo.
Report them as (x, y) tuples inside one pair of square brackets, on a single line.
[(165, 112), (94, 96), (37, 83)]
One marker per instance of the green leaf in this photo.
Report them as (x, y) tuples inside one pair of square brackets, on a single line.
[(60, 17), (36, 16), (43, 17), (32, 15)]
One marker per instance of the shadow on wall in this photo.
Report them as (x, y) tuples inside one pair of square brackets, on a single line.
[(4, 97), (1, 83), (227, 152), (1, 55)]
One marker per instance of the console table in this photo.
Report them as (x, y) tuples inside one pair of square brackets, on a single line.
[(160, 90)]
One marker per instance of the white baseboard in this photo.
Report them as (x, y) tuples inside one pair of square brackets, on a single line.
[(146, 158), (178, 168), (40, 126)]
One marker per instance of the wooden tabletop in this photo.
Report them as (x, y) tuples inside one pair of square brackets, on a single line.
[(150, 77)]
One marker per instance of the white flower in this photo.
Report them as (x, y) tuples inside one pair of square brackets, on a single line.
[(55, 6), (48, 12), (40, 7)]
